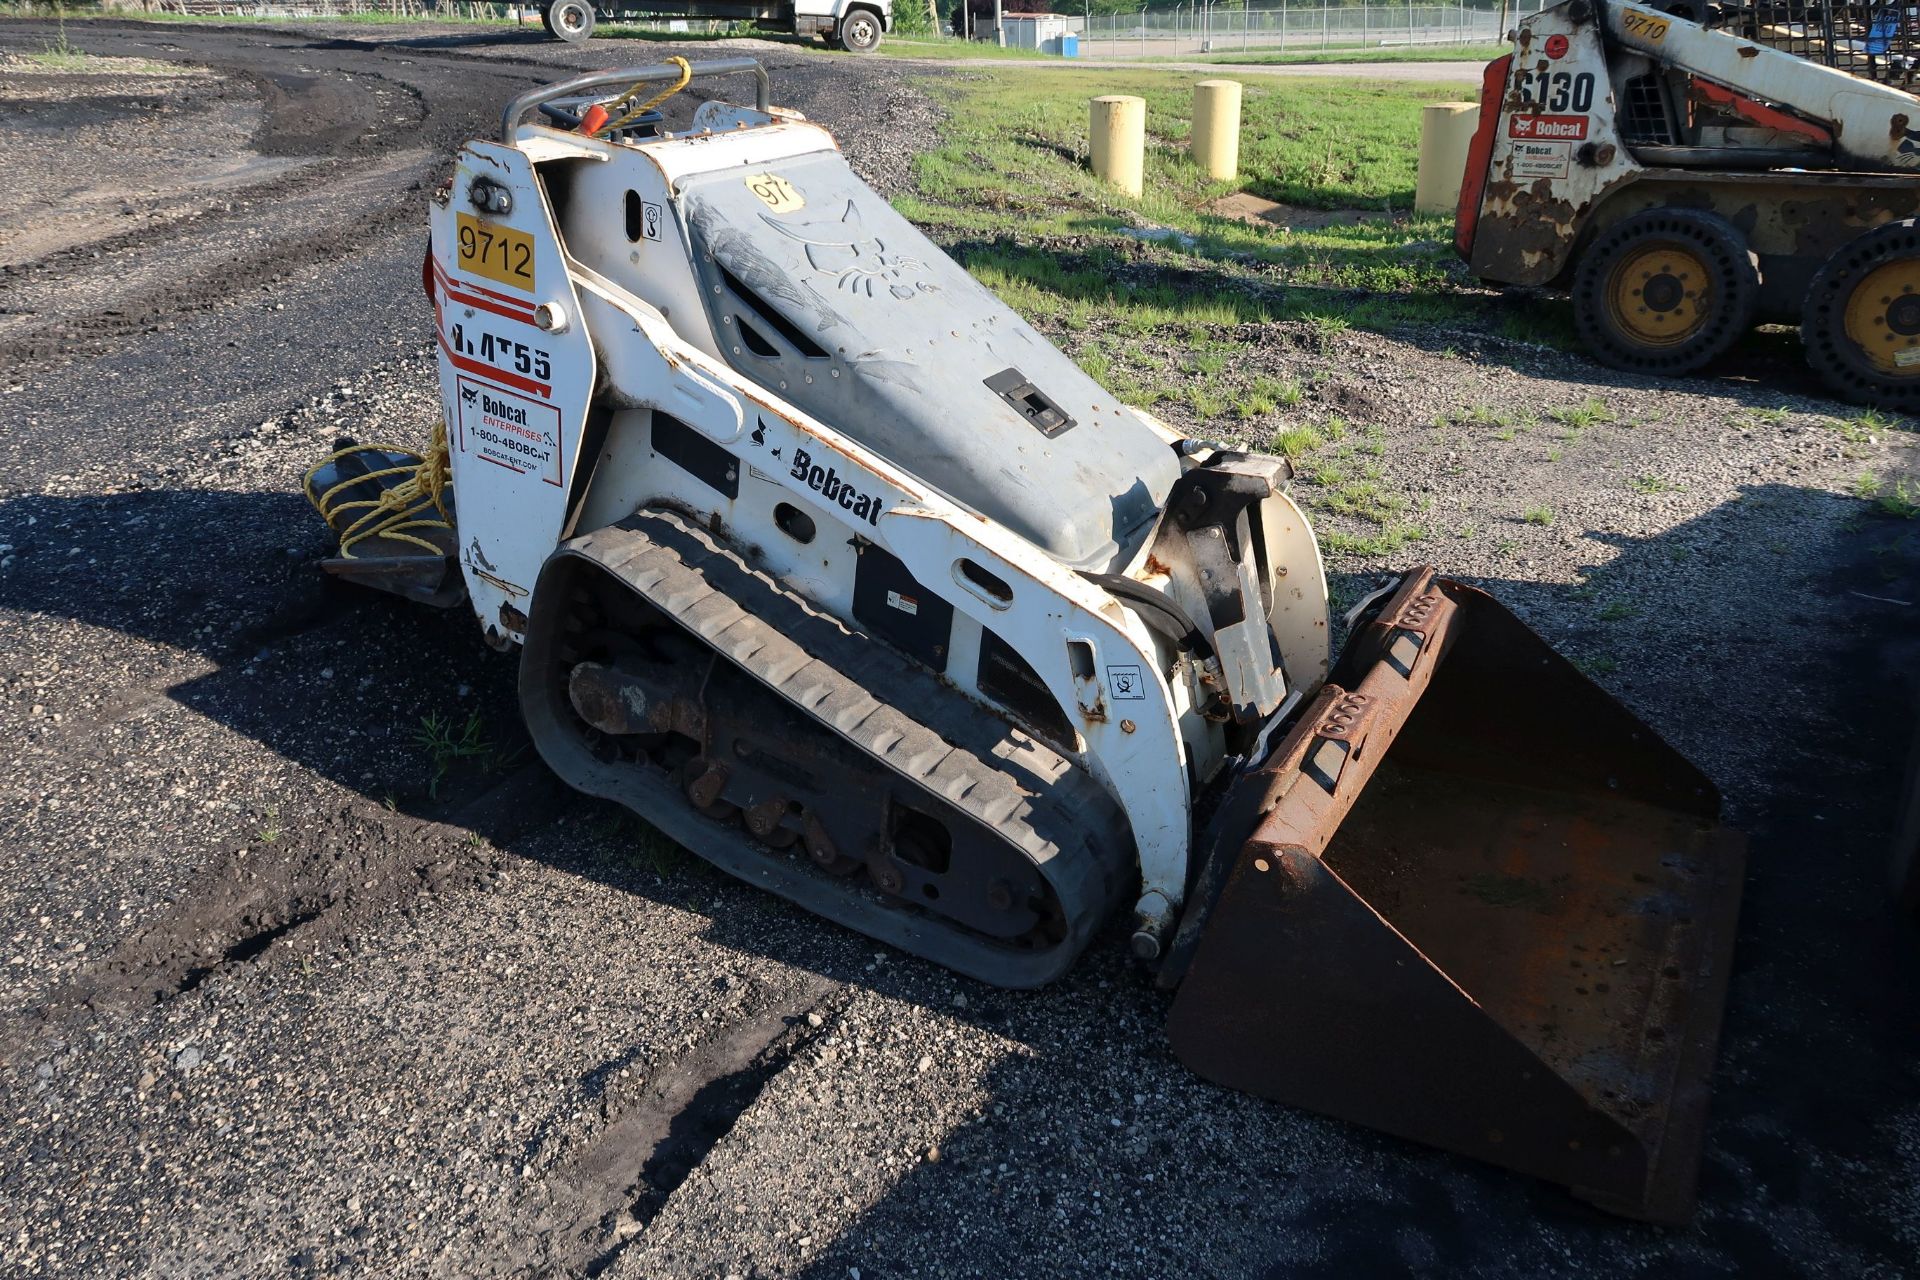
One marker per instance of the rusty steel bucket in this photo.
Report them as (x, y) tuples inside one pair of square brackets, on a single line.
[(1475, 902)]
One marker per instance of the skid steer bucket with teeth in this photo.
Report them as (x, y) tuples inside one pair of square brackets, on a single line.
[(1473, 901)]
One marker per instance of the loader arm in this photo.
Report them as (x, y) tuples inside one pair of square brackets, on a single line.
[(1872, 125)]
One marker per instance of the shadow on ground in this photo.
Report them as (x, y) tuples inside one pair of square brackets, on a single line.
[(1820, 1052), (1820, 1048)]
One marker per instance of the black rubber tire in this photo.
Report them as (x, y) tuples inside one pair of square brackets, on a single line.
[(546, 21), (859, 31), (570, 20), (1835, 356), (1732, 286)]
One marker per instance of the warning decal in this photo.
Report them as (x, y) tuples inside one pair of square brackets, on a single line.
[(519, 434)]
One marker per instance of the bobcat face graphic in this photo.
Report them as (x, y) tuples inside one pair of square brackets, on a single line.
[(858, 262)]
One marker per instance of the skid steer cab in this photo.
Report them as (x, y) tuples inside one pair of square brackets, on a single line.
[(1685, 182), (829, 565)]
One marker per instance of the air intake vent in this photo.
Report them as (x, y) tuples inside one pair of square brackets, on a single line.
[(755, 343), (774, 320)]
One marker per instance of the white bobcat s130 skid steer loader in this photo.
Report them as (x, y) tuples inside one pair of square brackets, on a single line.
[(1688, 169), (828, 565)]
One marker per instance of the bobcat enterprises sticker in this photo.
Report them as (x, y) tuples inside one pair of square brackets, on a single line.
[(776, 192), (1542, 159), (521, 435)]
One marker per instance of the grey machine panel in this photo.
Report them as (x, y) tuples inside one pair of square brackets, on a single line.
[(851, 314)]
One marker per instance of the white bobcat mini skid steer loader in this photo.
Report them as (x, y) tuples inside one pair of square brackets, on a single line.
[(832, 568)]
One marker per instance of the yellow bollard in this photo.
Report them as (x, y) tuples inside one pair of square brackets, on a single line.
[(1117, 126), (1216, 127), (1446, 132)]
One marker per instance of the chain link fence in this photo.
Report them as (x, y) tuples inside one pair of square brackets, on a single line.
[(1283, 27)]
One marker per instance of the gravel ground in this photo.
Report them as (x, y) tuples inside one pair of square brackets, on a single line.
[(277, 1001)]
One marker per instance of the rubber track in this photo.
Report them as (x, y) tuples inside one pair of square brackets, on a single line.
[(1033, 797)]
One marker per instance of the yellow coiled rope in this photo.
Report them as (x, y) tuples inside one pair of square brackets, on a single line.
[(612, 124), (398, 509)]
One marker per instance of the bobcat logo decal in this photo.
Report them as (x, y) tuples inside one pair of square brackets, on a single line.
[(858, 262)]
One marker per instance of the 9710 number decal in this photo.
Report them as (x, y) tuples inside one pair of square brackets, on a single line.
[(1555, 90)]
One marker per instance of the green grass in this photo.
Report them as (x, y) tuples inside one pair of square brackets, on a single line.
[(445, 746), (1265, 395), (1009, 192), (69, 60), (1389, 538), (62, 59), (1899, 499), (933, 48), (1320, 145), (1538, 515), (1578, 417), (1296, 442)]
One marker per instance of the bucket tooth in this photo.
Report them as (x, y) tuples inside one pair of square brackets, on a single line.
[(1474, 902)]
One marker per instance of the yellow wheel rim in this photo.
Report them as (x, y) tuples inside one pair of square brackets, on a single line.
[(1658, 296), (1883, 317)]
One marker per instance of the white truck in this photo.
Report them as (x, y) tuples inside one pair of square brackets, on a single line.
[(853, 25)]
